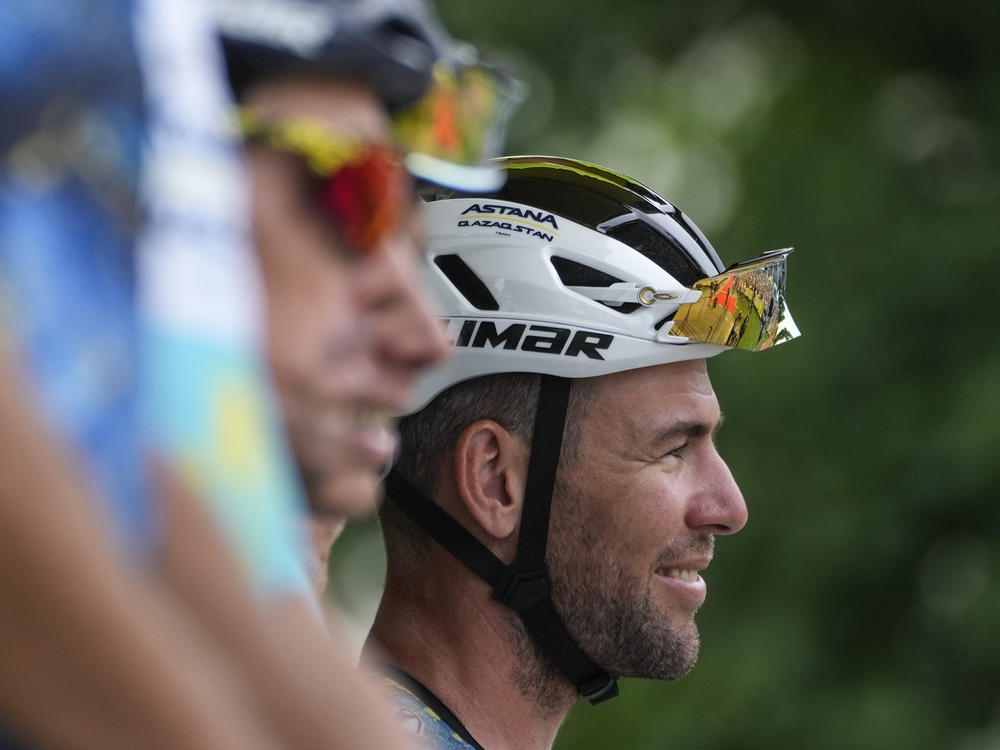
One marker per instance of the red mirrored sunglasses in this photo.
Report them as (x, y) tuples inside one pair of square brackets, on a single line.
[(363, 187)]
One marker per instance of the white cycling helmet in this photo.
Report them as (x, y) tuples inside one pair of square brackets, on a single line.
[(575, 271), (570, 271)]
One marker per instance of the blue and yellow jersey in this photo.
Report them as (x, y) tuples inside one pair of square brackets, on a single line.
[(71, 139), (424, 716)]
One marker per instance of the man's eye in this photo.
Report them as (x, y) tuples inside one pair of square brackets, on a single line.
[(677, 452)]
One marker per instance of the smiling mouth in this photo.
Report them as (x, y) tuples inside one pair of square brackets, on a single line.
[(375, 434), (689, 576)]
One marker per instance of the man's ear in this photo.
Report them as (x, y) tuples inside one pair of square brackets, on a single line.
[(491, 465)]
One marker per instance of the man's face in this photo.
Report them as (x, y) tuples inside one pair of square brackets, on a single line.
[(348, 329), (634, 518)]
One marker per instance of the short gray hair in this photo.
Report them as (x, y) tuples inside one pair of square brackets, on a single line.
[(428, 438)]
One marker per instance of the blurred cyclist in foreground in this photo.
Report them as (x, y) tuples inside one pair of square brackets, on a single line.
[(348, 328), (339, 124)]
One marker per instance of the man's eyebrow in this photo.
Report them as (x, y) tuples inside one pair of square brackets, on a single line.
[(689, 429)]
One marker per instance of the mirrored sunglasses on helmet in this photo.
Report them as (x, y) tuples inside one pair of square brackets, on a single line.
[(459, 125), (363, 187), (743, 307)]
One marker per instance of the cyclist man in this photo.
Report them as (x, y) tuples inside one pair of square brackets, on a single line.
[(336, 218), (558, 493), (347, 326)]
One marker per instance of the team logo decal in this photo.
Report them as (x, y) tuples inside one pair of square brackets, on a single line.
[(507, 221), (482, 334)]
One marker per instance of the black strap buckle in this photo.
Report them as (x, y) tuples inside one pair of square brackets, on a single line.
[(599, 689), (522, 584)]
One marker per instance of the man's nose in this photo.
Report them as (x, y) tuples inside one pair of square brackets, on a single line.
[(719, 507), (408, 331)]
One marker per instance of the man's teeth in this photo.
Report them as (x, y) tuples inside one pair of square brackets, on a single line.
[(690, 576)]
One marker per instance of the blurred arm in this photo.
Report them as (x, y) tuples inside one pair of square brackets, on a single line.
[(94, 655), (302, 674)]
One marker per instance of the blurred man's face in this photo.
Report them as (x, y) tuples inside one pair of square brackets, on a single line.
[(348, 326), (634, 519)]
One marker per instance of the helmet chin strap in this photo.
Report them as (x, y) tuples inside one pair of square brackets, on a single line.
[(524, 585)]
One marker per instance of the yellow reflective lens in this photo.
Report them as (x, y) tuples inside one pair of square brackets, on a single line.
[(460, 121), (312, 139), (742, 308)]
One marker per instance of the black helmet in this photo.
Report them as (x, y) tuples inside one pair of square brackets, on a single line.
[(390, 44), (399, 48)]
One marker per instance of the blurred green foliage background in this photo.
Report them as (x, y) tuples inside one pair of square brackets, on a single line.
[(860, 607)]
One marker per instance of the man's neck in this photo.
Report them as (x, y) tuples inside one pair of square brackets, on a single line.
[(470, 654)]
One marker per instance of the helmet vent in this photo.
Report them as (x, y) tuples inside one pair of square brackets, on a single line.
[(665, 320), (659, 248), (466, 282), (572, 273)]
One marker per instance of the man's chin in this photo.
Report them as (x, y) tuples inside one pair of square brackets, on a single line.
[(662, 646), (345, 494), (681, 653)]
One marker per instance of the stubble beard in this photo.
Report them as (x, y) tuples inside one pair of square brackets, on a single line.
[(613, 618)]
